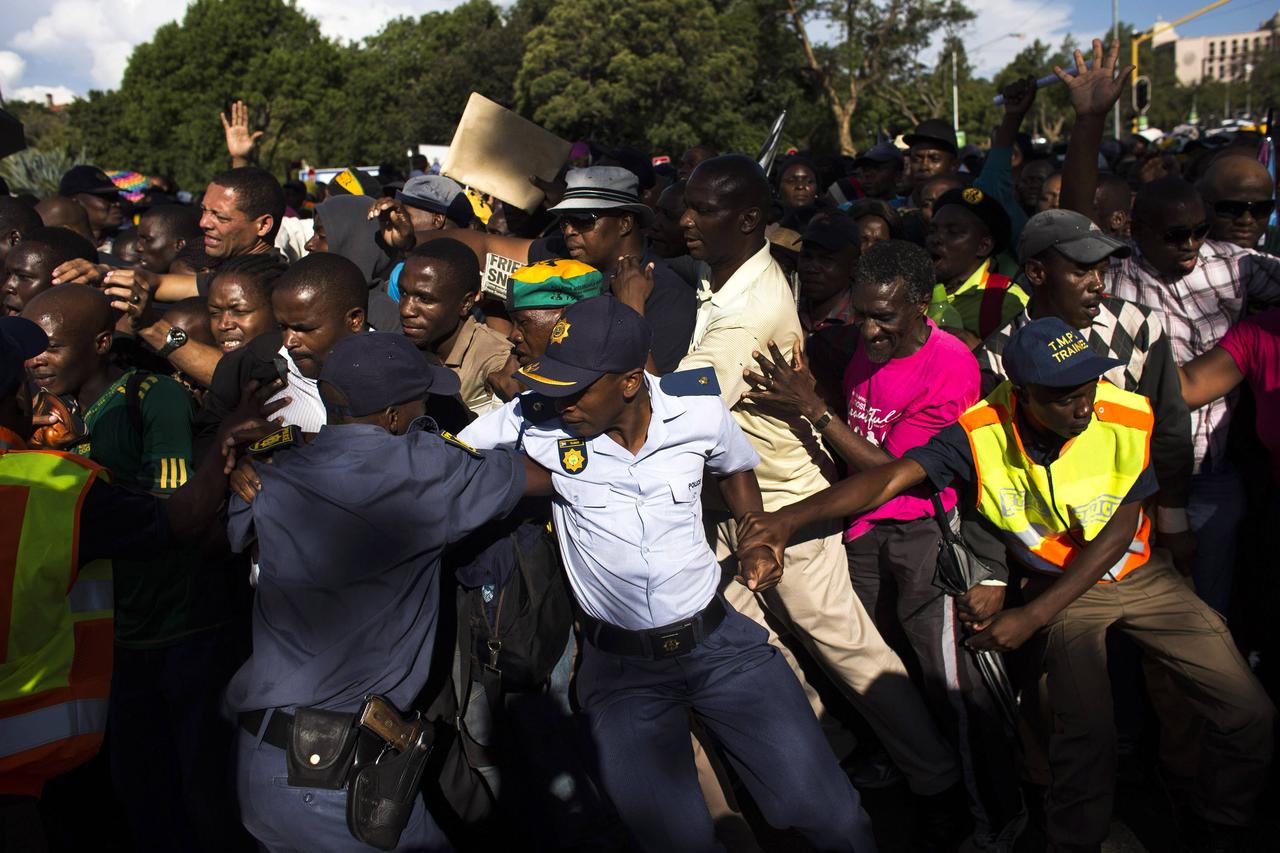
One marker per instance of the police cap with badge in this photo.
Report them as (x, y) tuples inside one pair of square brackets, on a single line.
[(594, 337), (985, 208)]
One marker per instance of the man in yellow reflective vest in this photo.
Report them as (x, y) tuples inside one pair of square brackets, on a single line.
[(1058, 465), (60, 523)]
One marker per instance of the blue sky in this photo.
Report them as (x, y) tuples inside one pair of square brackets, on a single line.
[(66, 47)]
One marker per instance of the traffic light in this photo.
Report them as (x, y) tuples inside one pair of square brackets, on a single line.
[(1141, 95)]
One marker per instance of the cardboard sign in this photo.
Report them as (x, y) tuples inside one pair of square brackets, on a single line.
[(497, 271), (495, 151)]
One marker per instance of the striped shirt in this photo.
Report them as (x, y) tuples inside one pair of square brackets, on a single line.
[(1196, 311)]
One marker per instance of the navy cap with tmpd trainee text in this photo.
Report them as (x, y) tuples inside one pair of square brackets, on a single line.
[(1049, 352), (593, 337), (378, 370)]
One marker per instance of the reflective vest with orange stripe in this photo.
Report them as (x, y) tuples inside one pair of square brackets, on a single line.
[(55, 621), (1048, 513)]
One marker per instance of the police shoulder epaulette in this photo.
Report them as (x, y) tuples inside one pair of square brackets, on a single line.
[(698, 382), (286, 436), (537, 409), (450, 438)]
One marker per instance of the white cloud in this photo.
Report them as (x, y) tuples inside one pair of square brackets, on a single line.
[(99, 35), (61, 94), (103, 31), (1003, 28), (11, 68)]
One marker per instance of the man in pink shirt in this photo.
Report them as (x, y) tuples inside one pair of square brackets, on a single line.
[(908, 380)]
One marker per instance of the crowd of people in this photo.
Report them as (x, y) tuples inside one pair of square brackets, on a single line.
[(751, 495)]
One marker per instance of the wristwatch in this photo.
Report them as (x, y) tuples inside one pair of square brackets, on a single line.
[(821, 423), (176, 338)]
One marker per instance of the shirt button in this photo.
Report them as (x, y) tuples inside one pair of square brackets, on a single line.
[(308, 797)]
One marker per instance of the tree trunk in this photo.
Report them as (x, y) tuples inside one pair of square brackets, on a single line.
[(842, 110), (844, 119)]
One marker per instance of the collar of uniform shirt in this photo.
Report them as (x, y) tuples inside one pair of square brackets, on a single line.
[(978, 276), (740, 282), (459, 351)]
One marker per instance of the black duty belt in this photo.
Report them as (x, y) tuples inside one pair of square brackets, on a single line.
[(678, 638), (278, 729)]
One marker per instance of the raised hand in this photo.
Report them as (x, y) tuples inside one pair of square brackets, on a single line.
[(631, 284), (1019, 96), (240, 141), (1094, 91), (393, 223)]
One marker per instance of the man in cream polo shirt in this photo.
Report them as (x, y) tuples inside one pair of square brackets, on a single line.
[(743, 305)]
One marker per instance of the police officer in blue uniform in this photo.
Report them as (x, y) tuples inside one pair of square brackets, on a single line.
[(349, 529), (627, 454)]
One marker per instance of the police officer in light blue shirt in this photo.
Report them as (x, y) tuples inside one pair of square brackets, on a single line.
[(627, 454)]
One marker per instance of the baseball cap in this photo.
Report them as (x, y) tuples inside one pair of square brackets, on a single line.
[(934, 130), (355, 182), (1049, 352), (595, 336), (552, 284), (1073, 234), (881, 152), (376, 370), (86, 179), (983, 206), (832, 233), (20, 339), (437, 194)]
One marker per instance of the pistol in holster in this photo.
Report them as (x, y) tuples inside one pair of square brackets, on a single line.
[(382, 792)]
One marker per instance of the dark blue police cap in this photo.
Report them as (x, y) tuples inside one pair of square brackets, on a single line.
[(20, 339), (377, 370), (1049, 352), (593, 337)]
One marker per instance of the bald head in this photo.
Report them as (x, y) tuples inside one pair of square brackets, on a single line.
[(60, 212), (76, 306), (1113, 200), (1240, 196)]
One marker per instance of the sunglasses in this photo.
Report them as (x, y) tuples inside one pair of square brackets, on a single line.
[(579, 221), (1237, 209), (1183, 234)]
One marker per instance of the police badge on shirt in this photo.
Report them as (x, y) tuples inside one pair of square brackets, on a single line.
[(573, 454)]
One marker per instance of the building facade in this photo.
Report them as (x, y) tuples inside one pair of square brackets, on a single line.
[(1222, 57)]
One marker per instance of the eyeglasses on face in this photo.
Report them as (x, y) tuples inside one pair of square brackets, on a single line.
[(1183, 234), (584, 221), (1236, 209)]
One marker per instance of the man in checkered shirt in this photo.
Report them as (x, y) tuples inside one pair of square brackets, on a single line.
[(1198, 289), (1065, 258)]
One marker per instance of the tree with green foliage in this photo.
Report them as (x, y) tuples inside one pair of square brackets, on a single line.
[(164, 117), (875, 52), (657, 73), (416, 76)]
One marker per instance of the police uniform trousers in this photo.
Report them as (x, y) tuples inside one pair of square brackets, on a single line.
[(892, 566), (1161, 612), (746, 698), (286, 819), (816, 603)]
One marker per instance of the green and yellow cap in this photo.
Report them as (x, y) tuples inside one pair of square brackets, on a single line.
[(552, 284)]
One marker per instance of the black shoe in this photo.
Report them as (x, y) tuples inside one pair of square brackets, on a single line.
[(943, 821), (1204, 836)]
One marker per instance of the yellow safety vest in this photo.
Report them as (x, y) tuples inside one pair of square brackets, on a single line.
[(1048, 513), (55, 621)]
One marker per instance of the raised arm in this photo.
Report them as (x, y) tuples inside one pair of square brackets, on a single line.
[(1094, 92)]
